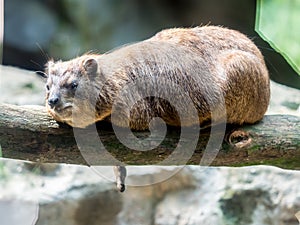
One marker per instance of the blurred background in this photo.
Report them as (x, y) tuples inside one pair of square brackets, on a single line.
[(36, 30)]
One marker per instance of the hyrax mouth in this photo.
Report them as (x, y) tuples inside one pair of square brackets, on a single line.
[(64, 108), (60, 111)]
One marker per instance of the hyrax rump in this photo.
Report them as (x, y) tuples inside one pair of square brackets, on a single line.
[(220, 71)]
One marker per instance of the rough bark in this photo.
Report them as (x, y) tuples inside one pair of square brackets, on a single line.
[(28, 133)]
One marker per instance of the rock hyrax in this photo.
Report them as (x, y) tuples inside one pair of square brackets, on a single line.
[(217, 69)]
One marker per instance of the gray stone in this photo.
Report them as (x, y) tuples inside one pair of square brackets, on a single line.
[(190, 195), (21, 87), (63, 194), (257, 195), (284, 100)]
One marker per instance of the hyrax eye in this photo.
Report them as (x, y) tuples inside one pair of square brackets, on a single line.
[(74, 85)]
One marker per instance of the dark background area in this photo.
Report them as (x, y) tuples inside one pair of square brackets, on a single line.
[(36, 30)]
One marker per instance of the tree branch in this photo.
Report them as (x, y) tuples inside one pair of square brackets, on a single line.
[(28, 133)]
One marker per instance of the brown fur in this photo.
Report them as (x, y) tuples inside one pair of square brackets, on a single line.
[(210, 64)]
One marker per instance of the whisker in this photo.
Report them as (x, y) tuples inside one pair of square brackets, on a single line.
[(44, 54), (36, 63)]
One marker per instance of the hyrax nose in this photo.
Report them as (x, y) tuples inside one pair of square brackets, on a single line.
[(53, 100)]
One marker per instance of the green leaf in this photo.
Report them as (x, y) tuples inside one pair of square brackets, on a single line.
[(277, 22)]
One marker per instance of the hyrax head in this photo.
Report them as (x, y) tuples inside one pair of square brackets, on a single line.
[(69, 90)]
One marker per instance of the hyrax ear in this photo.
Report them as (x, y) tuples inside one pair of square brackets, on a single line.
[(90, 66)]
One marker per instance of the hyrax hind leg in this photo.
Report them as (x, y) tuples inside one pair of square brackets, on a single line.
[(247, 90)]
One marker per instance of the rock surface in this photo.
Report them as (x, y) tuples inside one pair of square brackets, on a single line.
[(284, 100), (56, 194), (255, 195), (21, 87), (69, 194)]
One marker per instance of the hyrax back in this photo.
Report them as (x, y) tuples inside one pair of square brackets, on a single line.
[(213, 72)]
